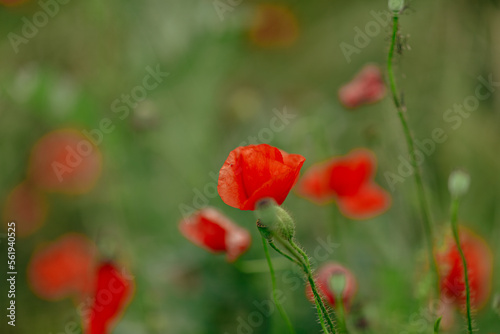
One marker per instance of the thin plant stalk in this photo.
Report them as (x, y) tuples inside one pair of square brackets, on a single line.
[(401, 109), (313, 285), (456, 236), (303, 259), (274, 287)]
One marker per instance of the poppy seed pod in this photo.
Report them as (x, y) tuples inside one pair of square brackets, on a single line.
[(396, 6), (275, 218), (458, 183), (334, 280)]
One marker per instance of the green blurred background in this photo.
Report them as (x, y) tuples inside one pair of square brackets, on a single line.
[(221, 89)]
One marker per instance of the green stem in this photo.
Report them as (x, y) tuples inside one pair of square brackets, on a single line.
[(275, 296), (411, 148), (341, 314), (313, 286), (273, 245), (456, 236), (292, 248)]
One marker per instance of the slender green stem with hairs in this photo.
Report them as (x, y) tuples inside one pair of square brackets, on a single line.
[(304, 263), (456, 236), (401, 109), (275, 296), (313, 285)]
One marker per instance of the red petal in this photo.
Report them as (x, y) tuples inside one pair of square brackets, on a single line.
[(349, 173), (211, 230), (480, 265), (313, 185), (254, 172), (366, 87), (113, 290), (370, 201)]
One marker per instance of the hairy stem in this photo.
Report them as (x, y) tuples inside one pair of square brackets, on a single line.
[(456, 236), (313, 286), (275, 296), (401, 109)]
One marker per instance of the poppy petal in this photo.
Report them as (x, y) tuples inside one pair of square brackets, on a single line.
[(371, 200)]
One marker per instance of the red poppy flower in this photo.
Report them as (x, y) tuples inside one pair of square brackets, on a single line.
[(27, 207), (367, 87), (323, 280), (274, 26), (479, 264), (65, 161), (349, 181), (64, 268), (211, 230), (253, 172), (113, 290)]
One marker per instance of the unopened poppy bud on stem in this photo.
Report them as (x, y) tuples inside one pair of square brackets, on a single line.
[(274, 218), (396, 6), (458, 183)]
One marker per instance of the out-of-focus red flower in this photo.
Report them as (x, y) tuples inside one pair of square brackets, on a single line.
[(65, 161), (324, 278), (273, 26), (113, 290), (63, 268), (479, 264), (367, 87), (9, 3), (349, 181), (254, 172), (211, 230), (27, 207)]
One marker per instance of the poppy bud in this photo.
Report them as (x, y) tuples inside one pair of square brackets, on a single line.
[(273, 216), (211, 230), (396, 6), (458, 183)]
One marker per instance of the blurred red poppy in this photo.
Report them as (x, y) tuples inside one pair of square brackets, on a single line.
[(27, 207), (254, 172), (274, 26), (65, 161), (211, 230), (367, 87), (479, 264), (349, 181), (113, 291), (324, 280), (9, 3), (63, 268)]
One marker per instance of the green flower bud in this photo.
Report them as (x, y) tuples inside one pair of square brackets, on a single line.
[(458, 183), (274, 218), (396, 6)]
